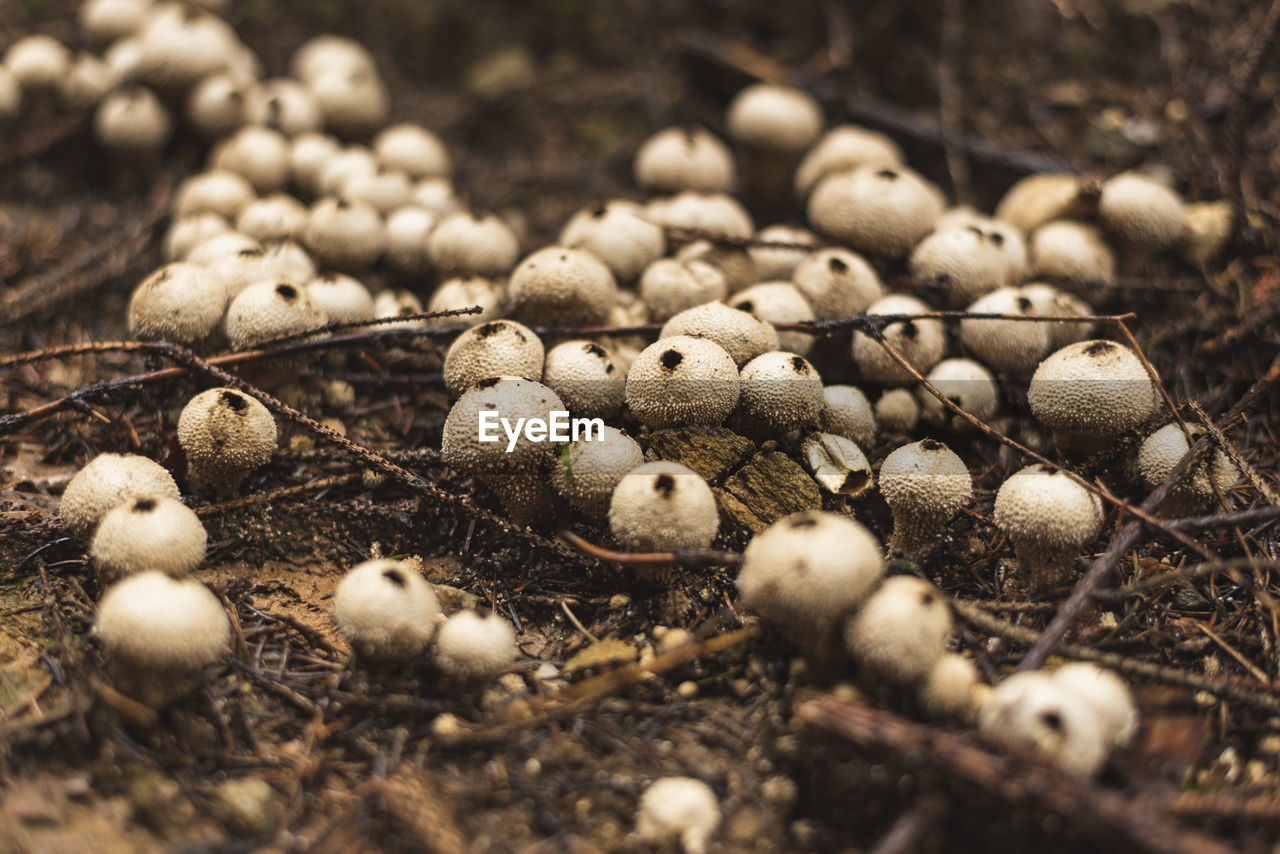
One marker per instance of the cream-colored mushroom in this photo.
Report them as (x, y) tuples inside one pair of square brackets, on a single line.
[(147, 532), (885, 210), (386, 610), (682, 380), (663, 506), (617, 233), (499, 348), (469, 292), (925, 484), (681, 809), (780, 392), (920, 342), (778, 302), (413, 150), (901, 631), (897, 411), (268, 310), (953, 689), (1141, 211), (38, 63), (1016, 346), (714, 213), (131, 121), (1206, 228), (588, 471), (474, 646), (1038, 714), (742, 335), (847, 412), (341, 298), (561, 286), (275, 217), (965, 261), (467, 244), (965, 383), (586, 378), (108, 480), (1066, 250), (779, 262), (180, 303), (226, 434), (837, 283), (187, 232), (1212, 475), (259, 155), (842, 149), (1047, 300), (1041, 198), (345, 235), (684, 158), (669, 287), (1050, 518)]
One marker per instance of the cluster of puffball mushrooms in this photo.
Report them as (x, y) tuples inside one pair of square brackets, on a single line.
[(294, 208)]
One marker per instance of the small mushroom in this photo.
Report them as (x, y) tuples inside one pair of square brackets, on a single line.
[(187, 232), (847, 412), (341, 298), (676, 159), (586, 378), (309, 155), (809, 570), (285, 105), (226, 434), (105, 21), (458, 293), (147, 532), (779, 262), (682, 380), (345, 235), (217, 105), (328, 54), (1090, 393), (773, 117), (207, 252), (342, 165), (1041, 198), (88, 82), (499, 348), (559, 285), (920, 342), (837, 283), (953, 689), (884, 210), (108, 480), (132, 122), (714, 213), (617, 233), (353, 103), (275, 217), (181, 45), (384, 189), (925, 484), (663, 506), (436, 195), (1038, 714), (268, 310), (588, 471), (901, 630), (181, 303), (159, 634), (474, 646), (413, 150), (780, 392), (1211, 475), (1049, 518), (742, 335), (681, 809), (259, 155), (467, 244), (38, 63), (897, 411), (963, 260), (965, 383), (1048, 300), (1144, 213), (1007, 239), (1016, 346), (1065, 250), (778, 302), (216, 191), (1107, 694), (669, 286), (733, 262), (1206, 228), (386, 610), (842, 149)]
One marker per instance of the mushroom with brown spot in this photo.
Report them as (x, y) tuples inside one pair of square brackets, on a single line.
[(682, 380), (684, 158), (586, 378), (147, 532), (588, 471), (965, 383), (226, 434), (181, 303), (499, 348), (925, 485), (743, 336), (921, 342), (386, 610), (884, 210), (780, 392), (901, 631), (775, 303), (106, 481), (663, 506), (837, 283), (1050, 518)]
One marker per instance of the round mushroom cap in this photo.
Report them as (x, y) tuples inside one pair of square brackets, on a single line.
[(467, 244), (131, 120), (901, 631), (347, 235), (383, 188), (464, 446), (217, 105), (275, 217), (952, 689), (259, 155), (1212, 474), (38, 62), (180, 46), (684, 158), (711, 213), (897, 411), (1041, 198), (920, 342), (353, 103), (885, 210), (207, 252), (474, 646), (309, 155), (327, 54), (341, 298), (398, 302), (180, 303), (1049, 518), (779, 262), (469, 292), (1071, 251), (1092, 391), (586, 378), (226, 434), (185, 233), (734, 262), (780, 392), (965, 260), (1037, 713), (743, 336), (1106, 693), (559, 285), (837, 283), (843, 149), (147, 532), (678, 808), (809, 570), (967, 384), (237, 270), (617, 233), (386, 610), (159, 632), (106, 481), (773, 117), (267, 310), (662, 506), (1006, 345), (925, 484), (342, 165), (285, 105), (589, 471), (778, 302), (682, 380), (88, 82), (499, 348), (1141, 211), (106, 21), (414, 150), (847, 412), (1206, 227), (669, 286), (1048, 300), (436, 195)]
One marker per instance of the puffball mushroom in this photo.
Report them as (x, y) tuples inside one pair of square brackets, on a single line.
[(187, 232), (259, 155), (309, 155), (952, 689), (217, 105), (808, 571), (847, 412), (780, 392), (1041, 198), (285, 105), (925, 484), (617, 233), (159, 634), (226, 434), (885, 210), (385, 189), (341, 298), (1048, 300), (682, 380), (559, 285), (779, 262), (714, 213), (1090, 393), (1016, 346), (469, 292), (147, 532), (663, 506), (468, 244), (837, 283), (108, 480), (678, 808), (1065, 250), (1049, 518), (275, 217), (1141, 211), (734, 262), (967, 384), (1198, 489), (837, 464), (743, 336), (181, 45), (346, 235), (842, 149), (474, 646), (267, 310), (589, 470), (774, 117), (684, 158), (920, 342), (88, 82), (1206, 228), (669, 286), (586, 378), (131, 121), (897, 411), (38, 63), (901, 630), (218, 191), (778, 302), (353, 103), (414, 150), (965, 261), (1037, 713), (386, 610), (499, 348), (179, 302), (107, 20)]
